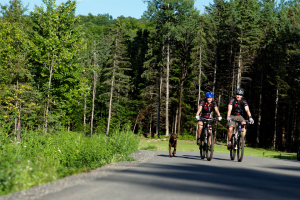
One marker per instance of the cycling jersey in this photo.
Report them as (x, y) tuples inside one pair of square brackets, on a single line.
[(207, 110), (237, 106)]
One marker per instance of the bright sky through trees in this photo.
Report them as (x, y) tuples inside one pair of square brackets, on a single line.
[(132, 8)]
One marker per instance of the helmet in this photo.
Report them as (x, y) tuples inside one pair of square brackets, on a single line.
[(209, 95), (239, 91)]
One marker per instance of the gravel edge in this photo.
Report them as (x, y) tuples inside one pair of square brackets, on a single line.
[(58, 185)]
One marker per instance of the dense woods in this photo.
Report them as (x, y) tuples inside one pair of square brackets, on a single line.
[(96, 74)]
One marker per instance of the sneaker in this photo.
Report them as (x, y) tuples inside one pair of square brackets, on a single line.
[(229, 146)]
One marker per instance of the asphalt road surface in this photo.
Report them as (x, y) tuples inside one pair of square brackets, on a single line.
[(188, 177)]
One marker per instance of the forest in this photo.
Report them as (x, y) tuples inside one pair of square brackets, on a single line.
[(95, 74)]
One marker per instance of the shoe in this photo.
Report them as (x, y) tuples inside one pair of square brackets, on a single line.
[(229, 146)]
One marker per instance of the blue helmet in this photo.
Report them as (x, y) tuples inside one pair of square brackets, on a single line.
[(209, 95)]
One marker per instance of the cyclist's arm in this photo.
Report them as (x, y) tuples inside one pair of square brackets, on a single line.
[(199, 110), (217, 111), (248, 111), (229, 110)]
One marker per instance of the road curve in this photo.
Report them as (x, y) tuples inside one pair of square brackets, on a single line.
[(188, 177)]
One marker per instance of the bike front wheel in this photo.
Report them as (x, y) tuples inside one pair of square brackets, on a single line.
[(240, 148), (201, 147), (232, 150), (210, 148)]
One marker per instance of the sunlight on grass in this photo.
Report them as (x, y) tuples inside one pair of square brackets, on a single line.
[(190, 145)]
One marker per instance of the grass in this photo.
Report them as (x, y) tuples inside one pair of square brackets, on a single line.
[(190, 145)]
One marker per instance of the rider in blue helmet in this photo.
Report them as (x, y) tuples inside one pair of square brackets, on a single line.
[(205, 110)]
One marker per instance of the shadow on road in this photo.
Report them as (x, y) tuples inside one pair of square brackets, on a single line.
[(216, 181)]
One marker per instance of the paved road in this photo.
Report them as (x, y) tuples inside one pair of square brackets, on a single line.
[(188, 177)]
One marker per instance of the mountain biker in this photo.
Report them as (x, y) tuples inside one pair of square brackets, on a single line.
[(236, 107), (207, 106)]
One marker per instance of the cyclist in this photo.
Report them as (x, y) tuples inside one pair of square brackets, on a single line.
[(206, 108), (236, 107)]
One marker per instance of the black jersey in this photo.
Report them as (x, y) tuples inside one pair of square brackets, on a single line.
[(207, 110), (238, 106)]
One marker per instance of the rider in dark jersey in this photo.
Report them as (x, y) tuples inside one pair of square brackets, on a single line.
[(205, 110), (236, 107)]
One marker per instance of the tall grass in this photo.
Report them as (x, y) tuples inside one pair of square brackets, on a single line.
[(41, 158)]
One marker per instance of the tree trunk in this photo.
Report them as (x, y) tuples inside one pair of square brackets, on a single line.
[(150, 126), (239, 75), (260, 97), (137, 118), (93, 103), (110, 102), (176, 118), (48, 101), (19, 123), (294, 122), (84, 116), (111, 91), (200, 73), (179, 108), (215, 71), (275, 125), (167, 85), (49, 89), (158, 104)]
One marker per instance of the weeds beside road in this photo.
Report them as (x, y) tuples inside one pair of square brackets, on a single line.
[(41, 158), (190, 145)]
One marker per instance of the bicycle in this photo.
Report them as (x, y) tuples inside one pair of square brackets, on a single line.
[(237, 141), (298, 150), (204, 145)]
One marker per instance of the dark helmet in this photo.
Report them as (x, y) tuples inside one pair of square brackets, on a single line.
[(209, 95), (240, 91)]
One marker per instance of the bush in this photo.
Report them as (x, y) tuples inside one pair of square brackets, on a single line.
[(41, 158)]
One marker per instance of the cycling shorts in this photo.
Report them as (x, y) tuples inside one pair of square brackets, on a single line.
[(236, 117)]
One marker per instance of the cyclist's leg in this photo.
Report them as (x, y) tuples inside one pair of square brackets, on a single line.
[(243, 128), (229, 132), (200, 127)]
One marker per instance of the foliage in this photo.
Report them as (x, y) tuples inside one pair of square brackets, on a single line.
[(40, 158)]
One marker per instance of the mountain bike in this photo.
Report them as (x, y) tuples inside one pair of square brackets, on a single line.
[(237, 141), (204, 146), (298, 150)]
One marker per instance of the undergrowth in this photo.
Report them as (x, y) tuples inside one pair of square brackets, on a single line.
[(41, 158)]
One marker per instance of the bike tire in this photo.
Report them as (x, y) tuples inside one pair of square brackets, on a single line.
[(240, 148), (201, 147), (298, 151), (210, 148), (232, 150)]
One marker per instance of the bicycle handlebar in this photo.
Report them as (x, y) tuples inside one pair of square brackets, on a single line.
[(209, 119), (236, 120)]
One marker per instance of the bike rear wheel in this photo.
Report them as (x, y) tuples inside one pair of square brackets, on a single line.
[(298, 151), (232, 150), (240, 148), (210, 148), (201, 147)]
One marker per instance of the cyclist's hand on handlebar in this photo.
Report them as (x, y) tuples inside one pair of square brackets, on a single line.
[(219, 118), (198, 117), (228, 119), (251, 120)]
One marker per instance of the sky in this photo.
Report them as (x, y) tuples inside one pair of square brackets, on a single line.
[(132, 8)]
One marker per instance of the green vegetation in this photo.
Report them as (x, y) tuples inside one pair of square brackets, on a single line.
[(41, 158), (190, 145)]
